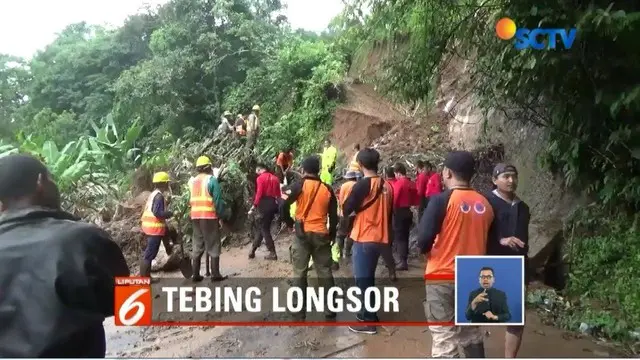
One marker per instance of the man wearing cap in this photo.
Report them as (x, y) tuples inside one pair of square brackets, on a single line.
[(510, 235), (206, 206), (455, 222), (57, 274), (153, 221)]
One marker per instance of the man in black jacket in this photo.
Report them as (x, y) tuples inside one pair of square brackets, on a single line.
[(57, 273), (511, 234), (487, 304)]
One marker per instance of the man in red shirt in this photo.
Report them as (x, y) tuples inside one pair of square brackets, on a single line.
[(404, 193), (434, 187), (266, 201), (424, 171)]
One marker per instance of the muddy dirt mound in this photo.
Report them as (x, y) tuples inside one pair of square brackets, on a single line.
[(351, 127), (126, 233), (414, 139), (365, 117), (142, 180)]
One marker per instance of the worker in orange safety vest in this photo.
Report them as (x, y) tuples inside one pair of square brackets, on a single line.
[(153, 220), (206, 204)]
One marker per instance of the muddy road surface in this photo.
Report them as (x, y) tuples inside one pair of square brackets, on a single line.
[(243, 341)]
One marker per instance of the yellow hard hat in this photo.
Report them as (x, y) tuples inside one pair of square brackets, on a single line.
[(202, 161), (161, 177), (227, 113), (240, 115), (256, 107)]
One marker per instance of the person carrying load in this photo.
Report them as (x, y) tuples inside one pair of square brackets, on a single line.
[(253, 126), (225, 123)]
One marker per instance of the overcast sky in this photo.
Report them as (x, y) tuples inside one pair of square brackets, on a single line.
[(29, 25)]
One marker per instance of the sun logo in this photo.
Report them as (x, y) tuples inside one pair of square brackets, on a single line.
[(506, 28)]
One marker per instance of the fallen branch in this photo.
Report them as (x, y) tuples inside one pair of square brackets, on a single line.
[(333, 353)]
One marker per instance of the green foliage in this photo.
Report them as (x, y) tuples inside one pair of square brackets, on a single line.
[(603, 274), (200, 50), (157, 79), (298, 88), (584, 96), (86, 170), (587, 98)]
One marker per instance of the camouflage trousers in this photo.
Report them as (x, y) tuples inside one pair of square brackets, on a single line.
[(439, 306)]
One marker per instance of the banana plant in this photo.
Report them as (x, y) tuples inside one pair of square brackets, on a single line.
[(109, 146)]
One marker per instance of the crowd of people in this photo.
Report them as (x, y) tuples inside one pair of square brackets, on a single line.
[(371, 217), (70, 265)]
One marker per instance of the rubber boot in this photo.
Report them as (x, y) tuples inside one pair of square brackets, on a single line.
[(215, 270), (195, 265), (474, 351), (252, 253), (271, 256), (207, 264)]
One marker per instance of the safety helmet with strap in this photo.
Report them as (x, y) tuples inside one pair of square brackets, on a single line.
[(256, 108)]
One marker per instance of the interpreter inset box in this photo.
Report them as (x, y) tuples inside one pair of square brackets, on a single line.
[(490, 290)]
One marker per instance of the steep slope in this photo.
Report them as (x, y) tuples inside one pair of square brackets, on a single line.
[(368, 119), (456, 121)]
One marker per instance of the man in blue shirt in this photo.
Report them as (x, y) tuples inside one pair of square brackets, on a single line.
[(153, 219)]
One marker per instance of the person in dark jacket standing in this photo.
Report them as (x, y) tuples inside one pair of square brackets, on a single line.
[(487, 304), (511, 234), (57, 273), (404, 194), (266, 201), (153, 223), (315, 202)]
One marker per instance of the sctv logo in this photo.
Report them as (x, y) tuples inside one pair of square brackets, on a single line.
[(538, 38)]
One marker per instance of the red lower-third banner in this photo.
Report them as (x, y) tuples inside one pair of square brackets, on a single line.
[(270, 302)]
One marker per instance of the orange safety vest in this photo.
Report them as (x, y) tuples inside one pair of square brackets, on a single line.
[(202, 205), (151, 225)]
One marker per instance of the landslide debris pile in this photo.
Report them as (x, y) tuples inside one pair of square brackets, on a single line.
[(227, 152)]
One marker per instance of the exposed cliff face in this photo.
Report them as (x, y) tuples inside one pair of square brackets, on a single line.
[(469, 128), (459, 122)]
